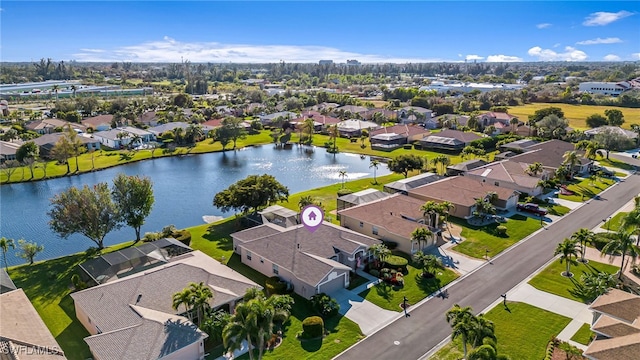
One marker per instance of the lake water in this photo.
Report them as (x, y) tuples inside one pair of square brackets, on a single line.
[(184, 188)]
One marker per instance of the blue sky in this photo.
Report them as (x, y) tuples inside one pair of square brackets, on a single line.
[(297, 31)]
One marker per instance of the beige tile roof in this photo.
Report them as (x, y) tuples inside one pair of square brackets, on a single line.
[(617, 348), (97, 120), (611, 327), (406, 130), (397, 214), (20, 325), (507, 170), (298, 250), (618, 304), (549, 153), (460, 190)]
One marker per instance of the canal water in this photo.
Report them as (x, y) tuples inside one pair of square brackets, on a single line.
[(183, 187)]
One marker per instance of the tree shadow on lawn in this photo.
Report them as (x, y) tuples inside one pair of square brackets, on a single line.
[(71, 337), (428, 285), (221, 234), (579, 290)]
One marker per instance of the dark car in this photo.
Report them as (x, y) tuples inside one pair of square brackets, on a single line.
[(532, 208), (599, 169)]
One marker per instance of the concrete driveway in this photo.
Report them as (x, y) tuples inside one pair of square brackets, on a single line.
[(370, 317)]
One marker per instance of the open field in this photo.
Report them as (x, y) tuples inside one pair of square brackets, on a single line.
[(576, 114)]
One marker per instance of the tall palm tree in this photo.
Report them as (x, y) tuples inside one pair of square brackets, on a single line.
[(309, 127), (514, 122), (201, 296), (242, 326), (305, 201), (481, 329), (374, 164), (443, 161), (590, 148), (380, 252), (421, 235), (631, 222), (333, 136), (429, 262), (622, 242), (428, 209), (571, 159), (183, 298), (461, 319), (342, 174), (568, 249), (447, 207), (583, 236), (5, 245)]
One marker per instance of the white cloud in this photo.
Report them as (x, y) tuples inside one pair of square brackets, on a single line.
[(474, 57), (569, 54), (612, 57), (503, 58), (636, 56), (171, 50), (543, 25), (596, 41), (602, 18)]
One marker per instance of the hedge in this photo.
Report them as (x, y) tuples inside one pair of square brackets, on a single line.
[(312, 327), (184, 236), (275, 286), (396, 262)]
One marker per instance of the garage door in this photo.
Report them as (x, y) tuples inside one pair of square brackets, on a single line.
[(333, 285)]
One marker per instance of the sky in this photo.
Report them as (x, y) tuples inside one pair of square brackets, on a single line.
[(309, 31)]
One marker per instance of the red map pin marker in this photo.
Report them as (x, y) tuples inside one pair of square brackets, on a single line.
[(311, 217)]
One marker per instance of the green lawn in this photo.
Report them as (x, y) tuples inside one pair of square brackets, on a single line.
[(614, 223), (415, 288), (584, 189), (614, 163), (556, 209), (522, 332), (480, 239), (215, 239), (584, 335), (47, 285), (551, 281)]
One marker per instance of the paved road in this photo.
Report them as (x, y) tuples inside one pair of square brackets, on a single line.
[(427, 327)]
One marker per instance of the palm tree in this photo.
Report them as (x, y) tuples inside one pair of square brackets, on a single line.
[(194, 133), (561, 174), (429, 262), (5, 244), (443, 161), (343, 175), (622, 242), (590, 148), (597, 284), (446, 208), (584, 237), (482, 328), (333, 135), (421, 234), (631, 222), (242, 326), (567, 250), (309, 127), (571, 159), (514, 122), (461, 320), (374, 164), (428, 209), (305, 201), (380, 252), (535, 169), (183, 298), (201, 295)]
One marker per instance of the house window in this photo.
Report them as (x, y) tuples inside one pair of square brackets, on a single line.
[(361, 224), (249, 255), (374, 230), (261, 260), (275, 269), (496, 183)]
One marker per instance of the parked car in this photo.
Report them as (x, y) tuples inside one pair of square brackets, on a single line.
[(532, 208), (603, 170)]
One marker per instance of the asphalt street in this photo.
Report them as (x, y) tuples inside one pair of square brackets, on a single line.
[(414, 336)]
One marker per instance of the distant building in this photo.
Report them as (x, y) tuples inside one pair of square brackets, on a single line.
[(325, 62), (353, 63), (443, 87), (609, 88)]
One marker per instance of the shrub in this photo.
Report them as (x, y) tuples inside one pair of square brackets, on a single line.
[(374, 272), (407, 146), (501, 230), (325, 305), (77, 283), (275, 286), (343, 192), (312, 327), (390, 244), (396, 262), (184, 236)]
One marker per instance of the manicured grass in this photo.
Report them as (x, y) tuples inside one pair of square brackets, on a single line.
[(614, 223), (522, 332), (584, 189), (215, 239), (611, 162), (584, 335), (480, 239), (47, 285), (557, 209), (576, 114), (415, 287), (551, 280)]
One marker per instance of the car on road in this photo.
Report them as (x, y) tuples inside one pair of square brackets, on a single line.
[(532, 208)]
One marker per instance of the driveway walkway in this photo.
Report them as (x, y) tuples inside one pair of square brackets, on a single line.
[(369, 316)]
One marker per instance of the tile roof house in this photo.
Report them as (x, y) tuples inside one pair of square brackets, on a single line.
[(614, 129), (354, 109), (550, 155), (512, 175), (616, 322), (23, 334), (48, 141), (405, 114), (409, 132), (388, 114), (268, 119), (493, 117), (8, 150), (6, 284), (518, 146), (113, 138), (457, 121), (160, 129), (133, 317), (148, 118), (393, 218), (354, 127), (404, 185), (463, 167), (48, 126), (312, 262), (452, 140), (462, 192), (360, 197), (98, 123)]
